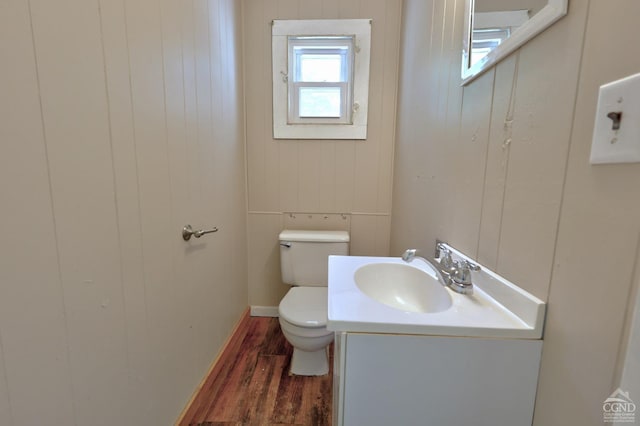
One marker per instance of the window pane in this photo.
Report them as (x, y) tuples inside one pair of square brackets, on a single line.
[(319, 68), (321, 59), (485, 40), (320, 102)]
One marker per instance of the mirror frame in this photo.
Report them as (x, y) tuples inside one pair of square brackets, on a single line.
[(553, 11)]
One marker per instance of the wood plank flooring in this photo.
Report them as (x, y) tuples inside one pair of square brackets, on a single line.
[(254, 386)]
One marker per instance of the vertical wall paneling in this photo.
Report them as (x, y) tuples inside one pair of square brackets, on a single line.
[(465, 172), (452, 27), (204, 105), (310, 10), (393, 20), (204, 285), (195, 185), (183, 205), (367, 243), (114, 41), (148, 94), (309, 176), (448, 72), (194, 170), (193, 189), (326, 160), (349, 10), (500, 138), (255, 111), (345, 157), (628, 376), (445, 159), (266, 288), (288, 174), (590, 287), (318, 176), (538, 153), (367, 164), (219, 294), (544, 213), (5, 408), (75, 113), (410, 87), (232, 83), (122, 122), (197, 54), (433, 46), (272, 162), (33, 328)]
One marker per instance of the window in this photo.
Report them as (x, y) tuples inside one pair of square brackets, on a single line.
[(485, 40), (320, 78), (492, 28)]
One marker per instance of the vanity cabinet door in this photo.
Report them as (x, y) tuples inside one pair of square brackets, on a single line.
[(429, 380)]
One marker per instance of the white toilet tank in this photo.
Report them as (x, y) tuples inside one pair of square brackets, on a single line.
[(304, 255)]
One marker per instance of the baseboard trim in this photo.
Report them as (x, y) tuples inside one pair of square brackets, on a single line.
[(264, 311), (229, 349)]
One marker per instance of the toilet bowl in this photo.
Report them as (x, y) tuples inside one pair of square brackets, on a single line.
[(303, 310), (303, 320)]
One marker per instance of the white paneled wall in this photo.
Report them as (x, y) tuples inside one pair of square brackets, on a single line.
[(317, 176), (33, 323), (483, 164), (120, 123), (500, 169)]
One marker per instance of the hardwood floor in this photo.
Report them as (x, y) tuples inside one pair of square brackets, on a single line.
[(254, 386)]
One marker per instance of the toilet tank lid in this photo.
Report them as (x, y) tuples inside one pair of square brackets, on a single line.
[(314, 236)]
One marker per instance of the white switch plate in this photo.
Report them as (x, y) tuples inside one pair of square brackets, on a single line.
[(622, 145)]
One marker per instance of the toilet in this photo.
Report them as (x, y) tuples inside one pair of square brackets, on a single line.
[(303, 310)]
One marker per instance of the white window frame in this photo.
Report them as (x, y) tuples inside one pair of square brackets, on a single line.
[(285, 124)]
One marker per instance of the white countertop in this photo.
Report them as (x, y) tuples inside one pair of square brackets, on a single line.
[(482, 314)]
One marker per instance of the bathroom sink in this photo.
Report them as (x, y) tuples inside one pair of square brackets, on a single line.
[(402, 287), (389, 295)]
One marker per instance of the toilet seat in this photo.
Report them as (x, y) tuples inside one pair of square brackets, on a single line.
[(305, 307)]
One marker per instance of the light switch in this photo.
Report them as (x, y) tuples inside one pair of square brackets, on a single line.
[(616, 135)]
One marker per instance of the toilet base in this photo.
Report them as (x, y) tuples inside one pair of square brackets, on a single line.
[(304, 363)]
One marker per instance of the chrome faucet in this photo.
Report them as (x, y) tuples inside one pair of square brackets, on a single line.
[(451, 273), (444, 278)]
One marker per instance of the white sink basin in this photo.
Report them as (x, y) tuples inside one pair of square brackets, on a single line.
[(402, 287), (389, 295)]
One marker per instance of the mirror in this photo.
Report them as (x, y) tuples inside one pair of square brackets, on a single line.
[(495, 28)]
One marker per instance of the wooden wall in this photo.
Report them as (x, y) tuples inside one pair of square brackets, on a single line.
[(314, 176), (499, 169), (120, 122)]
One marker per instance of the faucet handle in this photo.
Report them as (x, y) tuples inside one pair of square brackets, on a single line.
[(445, 259), (463, 271), (441, 248), (469, 266)]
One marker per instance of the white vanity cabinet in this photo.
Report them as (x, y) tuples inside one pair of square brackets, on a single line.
[(387, 379), (473, 361)]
